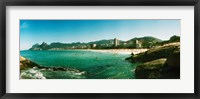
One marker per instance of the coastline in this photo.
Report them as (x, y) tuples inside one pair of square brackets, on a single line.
[(120, 51), (115, 51)]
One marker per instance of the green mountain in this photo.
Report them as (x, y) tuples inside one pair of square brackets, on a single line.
[(142, 42)]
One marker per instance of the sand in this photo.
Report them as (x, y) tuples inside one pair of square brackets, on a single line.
[(121, 51)]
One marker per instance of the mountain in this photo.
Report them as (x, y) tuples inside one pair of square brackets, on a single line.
[(172, 39), (142, 42)]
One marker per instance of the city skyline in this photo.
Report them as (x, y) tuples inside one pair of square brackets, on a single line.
[(68, 31)]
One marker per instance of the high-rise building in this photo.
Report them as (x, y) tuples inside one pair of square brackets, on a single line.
[(93, 45), (116, 42), (138, 44)]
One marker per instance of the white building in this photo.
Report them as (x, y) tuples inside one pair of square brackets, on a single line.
[(116, 42), (138, 44), (93, 45)]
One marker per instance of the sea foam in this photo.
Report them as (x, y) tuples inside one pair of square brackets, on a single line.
[(31, 74)]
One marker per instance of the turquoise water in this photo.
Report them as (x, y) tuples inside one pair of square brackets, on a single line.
[(91, 65)]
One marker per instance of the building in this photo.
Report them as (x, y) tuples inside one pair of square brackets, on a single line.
[(125, 43), (116, 42), (93, 45), (138, 44)]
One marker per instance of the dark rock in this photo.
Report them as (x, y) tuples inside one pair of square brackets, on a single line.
[(156, 53), (128, 58), (24, 63), (150, 70), (164, 68), (173, 60), (172, 68)]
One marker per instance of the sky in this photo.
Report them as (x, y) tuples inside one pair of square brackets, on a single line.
[(68, 31)]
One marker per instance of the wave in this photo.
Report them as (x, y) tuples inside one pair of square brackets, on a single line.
[(52, 72), (31, 74)]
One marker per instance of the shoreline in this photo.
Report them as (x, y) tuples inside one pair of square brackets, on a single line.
[(115, 51), (120, 51)]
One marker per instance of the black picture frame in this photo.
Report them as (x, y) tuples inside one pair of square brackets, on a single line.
[(4, 3)]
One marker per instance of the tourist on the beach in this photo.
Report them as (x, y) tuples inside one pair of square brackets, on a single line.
[(132, 54)]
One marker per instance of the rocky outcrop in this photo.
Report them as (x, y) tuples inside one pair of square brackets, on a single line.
[(172, 65), (162, 62), (25, 63), (173, 60), (156, 53), (150, 69), (31, 70)]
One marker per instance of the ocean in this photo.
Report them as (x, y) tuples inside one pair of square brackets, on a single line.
[(81, 64)]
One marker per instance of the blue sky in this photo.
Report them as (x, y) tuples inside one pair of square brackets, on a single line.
[(68, 31)]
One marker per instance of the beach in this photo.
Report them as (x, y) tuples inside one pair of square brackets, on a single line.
[(120, 51)]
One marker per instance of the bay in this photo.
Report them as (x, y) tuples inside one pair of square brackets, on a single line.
[(96, 65)]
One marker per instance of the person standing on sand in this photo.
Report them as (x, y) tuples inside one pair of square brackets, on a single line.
[(132, 54)]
